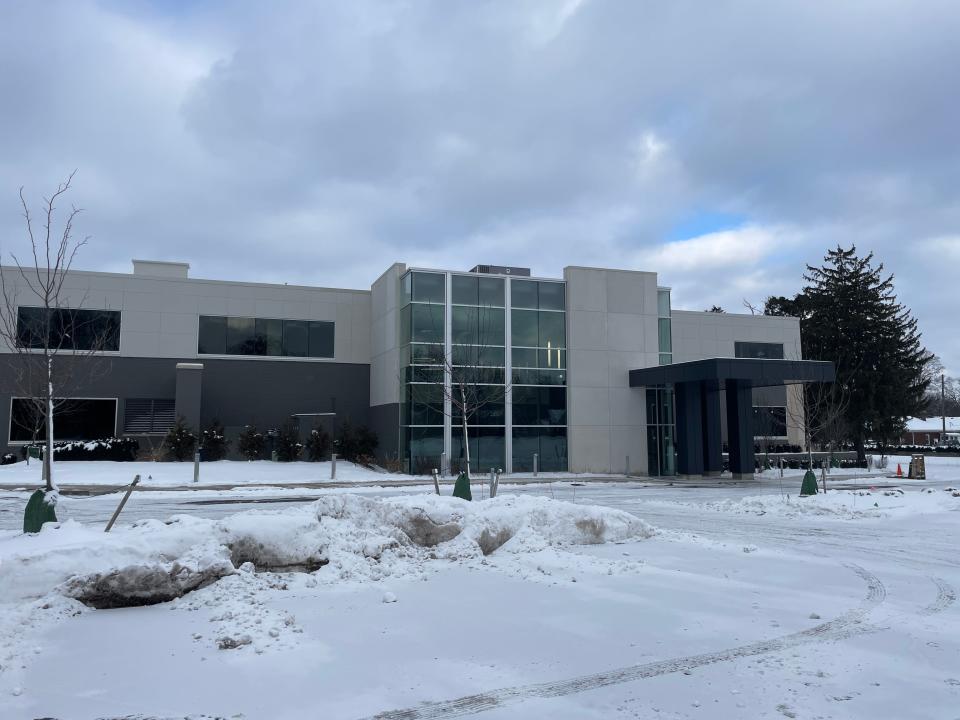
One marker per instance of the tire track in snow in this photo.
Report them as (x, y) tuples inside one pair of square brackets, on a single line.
[(846, 625), (946, 596)]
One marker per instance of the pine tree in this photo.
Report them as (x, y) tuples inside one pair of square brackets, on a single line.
[(849, 314), (180, 441), (214, 441), (251, 443)]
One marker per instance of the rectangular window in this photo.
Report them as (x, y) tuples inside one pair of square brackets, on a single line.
[(426, 323), (769, 422), (550, 445), (524, 327), (148, 416), (552, 296), (771, 351), (665, 339), (465, 290), (523, 294), (73, 419), (241, 338), (69, 329), (268, 337), (321, 339), (429, 287), (213, 336)]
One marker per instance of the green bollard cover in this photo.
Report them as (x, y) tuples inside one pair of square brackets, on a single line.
[(38, 512), (809, 486), (461, 488)]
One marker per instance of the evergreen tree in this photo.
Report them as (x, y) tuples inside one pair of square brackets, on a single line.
[(251, 443), (849, 314), (318, 445), (287, 443), (180, 441), (214, 442)]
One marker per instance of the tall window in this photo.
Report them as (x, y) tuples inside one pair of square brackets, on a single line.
[(661, 451), (664, 326), (69, 329), (538, 372), (265, 336)]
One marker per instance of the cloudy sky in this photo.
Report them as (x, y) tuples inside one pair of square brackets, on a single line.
[(723, 144)]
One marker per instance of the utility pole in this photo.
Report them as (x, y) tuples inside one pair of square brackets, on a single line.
[(943, 413)]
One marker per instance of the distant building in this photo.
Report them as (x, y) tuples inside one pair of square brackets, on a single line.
[(929, 431)]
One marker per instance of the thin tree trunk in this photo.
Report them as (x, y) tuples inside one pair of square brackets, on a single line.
[(463, 424), (48, 454)]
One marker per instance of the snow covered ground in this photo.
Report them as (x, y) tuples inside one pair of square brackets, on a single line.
[(747, 602), (171, 474)]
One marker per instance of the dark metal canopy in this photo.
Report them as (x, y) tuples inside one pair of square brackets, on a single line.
[(758, 372), (698, 386)]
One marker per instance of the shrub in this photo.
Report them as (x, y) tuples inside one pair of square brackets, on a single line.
[(114, 449), (251, 443), (180, 441), (318, 445), (287, 443), (8, 459), (356, 443), (214, 442)]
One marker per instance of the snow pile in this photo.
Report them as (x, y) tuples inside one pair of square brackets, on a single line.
[(848, 505), (346, 537)]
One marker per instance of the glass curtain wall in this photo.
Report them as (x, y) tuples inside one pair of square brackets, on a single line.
[(523, 374), (538, 374)]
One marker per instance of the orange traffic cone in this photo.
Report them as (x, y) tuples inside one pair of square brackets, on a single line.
[(899, 471)]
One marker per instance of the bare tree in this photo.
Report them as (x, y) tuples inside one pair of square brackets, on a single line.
[(818, 411), (47, 338)]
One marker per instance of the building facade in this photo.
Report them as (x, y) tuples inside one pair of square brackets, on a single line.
[(546, 362)]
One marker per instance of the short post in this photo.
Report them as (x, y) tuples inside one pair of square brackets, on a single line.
[(436, 482), (627, 466), (333, 466), (123, 501), (496, 482), (536, 464), (196, 466), (443, 465), (781, 466), (493, 490)]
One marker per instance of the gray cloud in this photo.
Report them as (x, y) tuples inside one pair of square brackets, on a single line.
[(317, 142)]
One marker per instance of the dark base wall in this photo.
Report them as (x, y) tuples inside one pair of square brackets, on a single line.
[(385, 422), (237, 392)]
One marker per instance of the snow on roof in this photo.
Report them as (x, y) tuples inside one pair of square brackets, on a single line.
[(932, 424)]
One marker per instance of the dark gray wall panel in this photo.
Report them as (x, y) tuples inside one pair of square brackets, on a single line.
[(237, 392), (385, 422)]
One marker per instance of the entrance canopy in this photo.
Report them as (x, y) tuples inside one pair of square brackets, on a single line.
[(697, 386)]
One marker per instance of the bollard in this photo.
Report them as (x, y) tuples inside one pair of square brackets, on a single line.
[(536, 463), (333, 466), (493, 490), (444, 468), (496, 482), (196, 466), (436, 482)]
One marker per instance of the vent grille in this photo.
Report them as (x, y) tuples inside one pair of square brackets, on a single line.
[(145, 416)]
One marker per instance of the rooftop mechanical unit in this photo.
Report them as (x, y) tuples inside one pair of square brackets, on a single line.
[(501, 270)]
